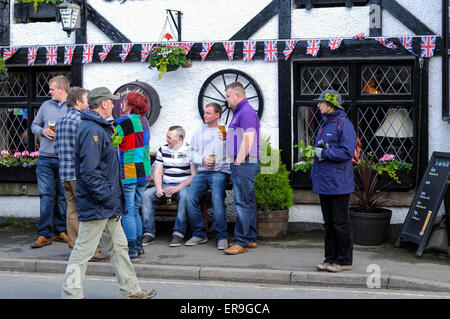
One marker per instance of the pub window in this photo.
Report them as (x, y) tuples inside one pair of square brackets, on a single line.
[(378, 98), (20, 98)]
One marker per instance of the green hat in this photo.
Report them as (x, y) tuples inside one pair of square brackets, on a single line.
[(331, 96), (98, 95)]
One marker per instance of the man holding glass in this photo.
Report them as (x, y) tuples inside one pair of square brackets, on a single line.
[(47, 169)]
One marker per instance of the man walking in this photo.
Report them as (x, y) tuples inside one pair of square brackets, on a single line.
[(65, 135), (99, 201), (47, 169), (243, 148), (208, 153)]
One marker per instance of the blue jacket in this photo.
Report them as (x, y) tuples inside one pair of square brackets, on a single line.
[(334, 174), (99, 190)]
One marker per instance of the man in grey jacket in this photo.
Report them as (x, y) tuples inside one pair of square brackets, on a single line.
[(47, 169)]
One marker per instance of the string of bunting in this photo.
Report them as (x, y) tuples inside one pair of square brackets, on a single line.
[(313, 46)]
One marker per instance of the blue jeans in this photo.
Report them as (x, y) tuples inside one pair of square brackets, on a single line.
[(131, 221), (218, 182), (243, 177), (148, 211), (51, 211)]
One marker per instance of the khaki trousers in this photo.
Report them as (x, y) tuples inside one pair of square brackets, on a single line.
[(71, 214), (90, 232)]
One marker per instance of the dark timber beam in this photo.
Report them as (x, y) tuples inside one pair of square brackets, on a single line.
[(4, 22), (445, 64), (107, 28), (257, 22), (406, 17)]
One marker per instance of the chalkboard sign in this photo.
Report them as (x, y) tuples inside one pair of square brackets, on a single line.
[(427, 201)]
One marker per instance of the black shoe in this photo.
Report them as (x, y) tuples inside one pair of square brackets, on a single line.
[(176, 241)]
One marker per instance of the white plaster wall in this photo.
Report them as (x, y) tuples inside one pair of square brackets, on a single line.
[(19, 206)]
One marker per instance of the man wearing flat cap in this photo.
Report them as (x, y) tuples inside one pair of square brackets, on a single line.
[(99, 201)]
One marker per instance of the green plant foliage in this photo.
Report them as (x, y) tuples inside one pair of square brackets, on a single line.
[(115, 138), (166, 58), (391, 166), (3, 69), (272, 191), (36, 2), (306, 155)]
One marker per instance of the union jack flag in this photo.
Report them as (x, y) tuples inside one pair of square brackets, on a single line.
[(359, 36), (126, 48), (51, 57), (407, 43), (249, 50), (270, 51), (145, 50), (206, 47), (427, 46), (289, 48), (9, 52), (312, 47), (106, 48), (334, 43), (88, 53), (229, 47), (385, 42), (186, 46), (32, 52), (68, 53)]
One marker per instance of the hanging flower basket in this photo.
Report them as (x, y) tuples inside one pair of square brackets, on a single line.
[(168, 58)]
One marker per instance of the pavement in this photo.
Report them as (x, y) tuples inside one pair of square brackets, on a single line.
[(289, 261)]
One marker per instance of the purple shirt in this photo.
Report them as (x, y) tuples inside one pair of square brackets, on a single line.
[(245, 119)]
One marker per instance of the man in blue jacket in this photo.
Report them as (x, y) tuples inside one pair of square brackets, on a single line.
[(99, 201)]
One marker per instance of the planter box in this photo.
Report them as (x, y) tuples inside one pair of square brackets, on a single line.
[(300, 180), (24, 12), (273, 224), (385, 182), (18, 174)]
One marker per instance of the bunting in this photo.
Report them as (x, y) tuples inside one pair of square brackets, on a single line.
[(31, 56), (126, 48), (145, 50), (407, 43), (289, 48), (359, 36), (187, 46), (106, 48), (387, 43), (427, 46), (248, 51), (270, 51), (88, 53), (206, 47), (334, 43), (9, 52), (68, 53), (312, 47), (51, 57), (229, 48)]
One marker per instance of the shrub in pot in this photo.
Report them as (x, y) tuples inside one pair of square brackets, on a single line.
[(273, 193), (370, 221)]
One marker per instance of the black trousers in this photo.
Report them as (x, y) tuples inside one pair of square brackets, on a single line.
[(338, 229)]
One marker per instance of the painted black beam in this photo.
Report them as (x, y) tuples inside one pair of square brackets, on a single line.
[(4, 22), (107, 28), (445, 62), (257, 22), (406, 17), (308, 4)]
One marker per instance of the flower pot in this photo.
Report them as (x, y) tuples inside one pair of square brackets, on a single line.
[(301, 180), (273, 224), (370, 229), (25, 12), (18, 174), (385, 182)]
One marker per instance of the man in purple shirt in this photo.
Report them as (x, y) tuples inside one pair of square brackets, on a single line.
[(243, 148)]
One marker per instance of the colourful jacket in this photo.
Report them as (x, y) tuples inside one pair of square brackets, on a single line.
[(334, 174)]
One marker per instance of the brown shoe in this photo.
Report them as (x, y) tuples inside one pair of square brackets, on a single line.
[(143, 294), (99, 256), (62, 237), (41, 242), (338, 268), (323, 266), (235, 250), (250, 245)]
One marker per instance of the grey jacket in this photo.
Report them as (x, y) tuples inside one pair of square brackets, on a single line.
[(47, 112)]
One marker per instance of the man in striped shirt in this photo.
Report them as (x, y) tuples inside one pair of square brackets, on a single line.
[(173, 173)]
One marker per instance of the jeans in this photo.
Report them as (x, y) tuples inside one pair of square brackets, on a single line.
[(243, 177), (218, 182), (148, 211), (131, 221), (47, 172)]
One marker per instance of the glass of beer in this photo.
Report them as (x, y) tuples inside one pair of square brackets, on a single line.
[(213, 157), (222, 129), (51, 125)]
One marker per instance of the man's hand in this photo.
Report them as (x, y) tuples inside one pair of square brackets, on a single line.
[(48, 133), (172, 190), (208, 162), (159, 192)]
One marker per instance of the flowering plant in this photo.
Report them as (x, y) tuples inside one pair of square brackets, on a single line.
[(387, 163), (306, 155), (168, 58), (24, 159), (3, 70)]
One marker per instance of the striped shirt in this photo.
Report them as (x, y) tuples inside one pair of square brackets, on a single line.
[(177, 164), (65, 134)]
